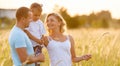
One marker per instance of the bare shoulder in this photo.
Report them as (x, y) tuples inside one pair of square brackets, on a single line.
[(71, 38)]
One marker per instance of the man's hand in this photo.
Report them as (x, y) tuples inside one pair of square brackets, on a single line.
[(32, 58)]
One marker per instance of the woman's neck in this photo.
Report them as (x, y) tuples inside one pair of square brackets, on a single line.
[(55, 33), (58, 36)]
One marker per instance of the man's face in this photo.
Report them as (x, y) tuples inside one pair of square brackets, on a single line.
[(28, 19)]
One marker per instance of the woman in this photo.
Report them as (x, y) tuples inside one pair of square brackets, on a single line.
[(60, 46)]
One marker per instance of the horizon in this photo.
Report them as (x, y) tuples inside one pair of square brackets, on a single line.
[(73, 7)]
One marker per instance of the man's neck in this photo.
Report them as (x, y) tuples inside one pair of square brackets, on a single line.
[(20, 25)]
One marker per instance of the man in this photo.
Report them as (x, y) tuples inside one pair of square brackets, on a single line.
[(21, 47)]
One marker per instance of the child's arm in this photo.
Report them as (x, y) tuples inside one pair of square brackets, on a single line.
[(74, 58), (40, 41)]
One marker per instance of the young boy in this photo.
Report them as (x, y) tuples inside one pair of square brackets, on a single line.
[(36, 29)]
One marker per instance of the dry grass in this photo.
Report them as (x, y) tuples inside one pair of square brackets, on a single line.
[(102, 44)]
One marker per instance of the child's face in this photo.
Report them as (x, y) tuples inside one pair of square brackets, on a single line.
[(36, 15)]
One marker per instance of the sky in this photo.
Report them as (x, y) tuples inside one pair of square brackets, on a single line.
[(81, 7)]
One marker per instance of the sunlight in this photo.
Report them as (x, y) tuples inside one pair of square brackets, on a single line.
[(73, 6)]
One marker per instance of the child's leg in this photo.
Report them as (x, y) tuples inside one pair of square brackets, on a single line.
[(38, 50)]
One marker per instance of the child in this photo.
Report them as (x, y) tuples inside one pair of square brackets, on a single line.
[(36, 28)]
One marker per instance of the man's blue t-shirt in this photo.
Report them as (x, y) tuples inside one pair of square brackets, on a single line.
[(18, 39)]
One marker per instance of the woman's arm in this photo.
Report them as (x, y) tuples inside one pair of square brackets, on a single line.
[(74, 58)]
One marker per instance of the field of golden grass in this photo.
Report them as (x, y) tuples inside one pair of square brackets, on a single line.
[(102, 44)]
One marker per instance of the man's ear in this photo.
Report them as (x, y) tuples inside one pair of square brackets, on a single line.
[(22, 19)]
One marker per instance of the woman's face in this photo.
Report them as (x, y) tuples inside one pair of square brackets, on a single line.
[(52, 22)]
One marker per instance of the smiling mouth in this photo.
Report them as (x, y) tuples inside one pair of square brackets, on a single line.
[(49, 25)]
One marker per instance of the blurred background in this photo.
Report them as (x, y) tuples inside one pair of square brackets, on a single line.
[(94, 25), (77, 13)]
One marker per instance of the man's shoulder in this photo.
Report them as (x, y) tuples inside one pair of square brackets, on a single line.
[(16, 32)]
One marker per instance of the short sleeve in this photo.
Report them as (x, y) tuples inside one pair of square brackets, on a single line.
[(43, 31), (20, 41)]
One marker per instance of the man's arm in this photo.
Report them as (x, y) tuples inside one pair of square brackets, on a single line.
[(22, 53)]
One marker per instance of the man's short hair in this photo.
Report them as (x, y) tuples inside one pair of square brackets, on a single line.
[(22, 12)]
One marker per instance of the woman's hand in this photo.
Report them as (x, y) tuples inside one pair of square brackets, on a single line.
[(86, 57)]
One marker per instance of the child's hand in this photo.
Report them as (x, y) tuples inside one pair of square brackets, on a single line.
[(86, 57), (41, 41)]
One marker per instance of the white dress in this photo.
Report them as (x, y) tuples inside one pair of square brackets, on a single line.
[(59, 52)]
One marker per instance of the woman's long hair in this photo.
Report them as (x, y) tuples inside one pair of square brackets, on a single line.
[(60, 19)]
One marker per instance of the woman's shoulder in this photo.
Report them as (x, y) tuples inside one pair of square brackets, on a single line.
[(71, 39), (69, 36)]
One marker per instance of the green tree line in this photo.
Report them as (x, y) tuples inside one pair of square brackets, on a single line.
[(101, 19)]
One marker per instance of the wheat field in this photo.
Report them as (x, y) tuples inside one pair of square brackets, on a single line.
[(102, 44)]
